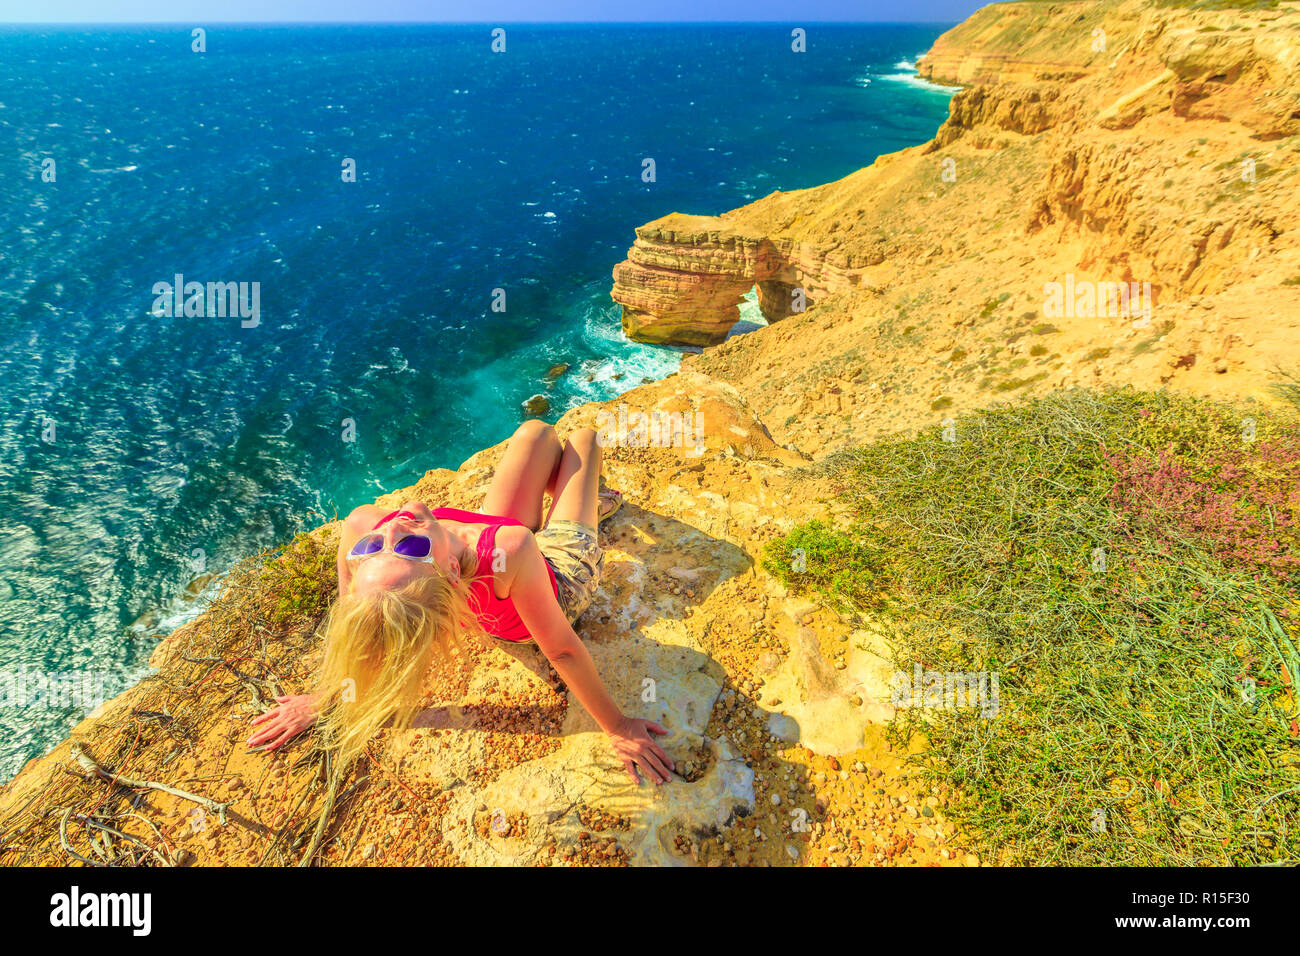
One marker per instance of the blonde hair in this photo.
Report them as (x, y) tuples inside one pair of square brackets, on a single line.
[(379, 647)]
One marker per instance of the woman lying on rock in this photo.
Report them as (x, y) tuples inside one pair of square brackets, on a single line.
[(413, 583)]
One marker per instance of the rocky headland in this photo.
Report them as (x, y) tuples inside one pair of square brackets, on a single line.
[(1160, 150)]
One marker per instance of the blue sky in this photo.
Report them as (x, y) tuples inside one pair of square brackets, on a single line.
[(481, 11)]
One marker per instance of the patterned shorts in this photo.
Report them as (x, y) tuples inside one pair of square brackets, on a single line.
[(571, 549)]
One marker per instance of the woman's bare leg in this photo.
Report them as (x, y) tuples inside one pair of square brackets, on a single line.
[(577, 481), (529, 467)]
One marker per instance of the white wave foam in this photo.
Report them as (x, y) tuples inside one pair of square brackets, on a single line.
[(918, 83), (627, 365), (185, 607), (907, 76)]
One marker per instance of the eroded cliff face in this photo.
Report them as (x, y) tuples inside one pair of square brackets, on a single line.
[(1029, 43), (685, 276), (1095, 143)]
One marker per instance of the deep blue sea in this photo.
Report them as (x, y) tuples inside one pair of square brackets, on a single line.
[(139, 450)]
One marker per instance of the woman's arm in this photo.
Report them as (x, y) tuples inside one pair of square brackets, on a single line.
[(344, 570), (282, 723), (540, 612), (360, 520)]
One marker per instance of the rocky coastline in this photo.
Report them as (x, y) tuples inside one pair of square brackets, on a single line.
[(1160, 152)]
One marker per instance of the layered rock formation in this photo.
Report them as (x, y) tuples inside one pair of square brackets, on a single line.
[(1166, 157), (1055, 85), (1029, 43), (685, 276)]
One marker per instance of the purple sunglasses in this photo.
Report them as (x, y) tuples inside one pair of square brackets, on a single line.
[(413, 547)]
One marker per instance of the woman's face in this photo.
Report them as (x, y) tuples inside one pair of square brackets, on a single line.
[(387, 571)]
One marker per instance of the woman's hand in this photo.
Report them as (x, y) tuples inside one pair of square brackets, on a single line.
[(290, 718), (632, 742)]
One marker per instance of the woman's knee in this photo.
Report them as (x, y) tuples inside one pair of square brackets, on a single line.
[(536, 431), (586, 441)]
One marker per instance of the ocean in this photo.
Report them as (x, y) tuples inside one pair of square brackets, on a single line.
[(411, 310)]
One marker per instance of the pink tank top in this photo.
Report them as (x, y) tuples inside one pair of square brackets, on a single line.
[(497, 615)]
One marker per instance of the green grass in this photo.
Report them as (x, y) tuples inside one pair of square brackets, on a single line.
[(1012, 384), (302, 576), (823, 559), (1288, 390), (1121, 690), (990, 305)]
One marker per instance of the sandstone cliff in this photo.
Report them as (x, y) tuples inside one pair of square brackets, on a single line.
[(1166, 156), (924, 281)]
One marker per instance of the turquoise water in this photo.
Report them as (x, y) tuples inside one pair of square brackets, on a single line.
[(139, 450)]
